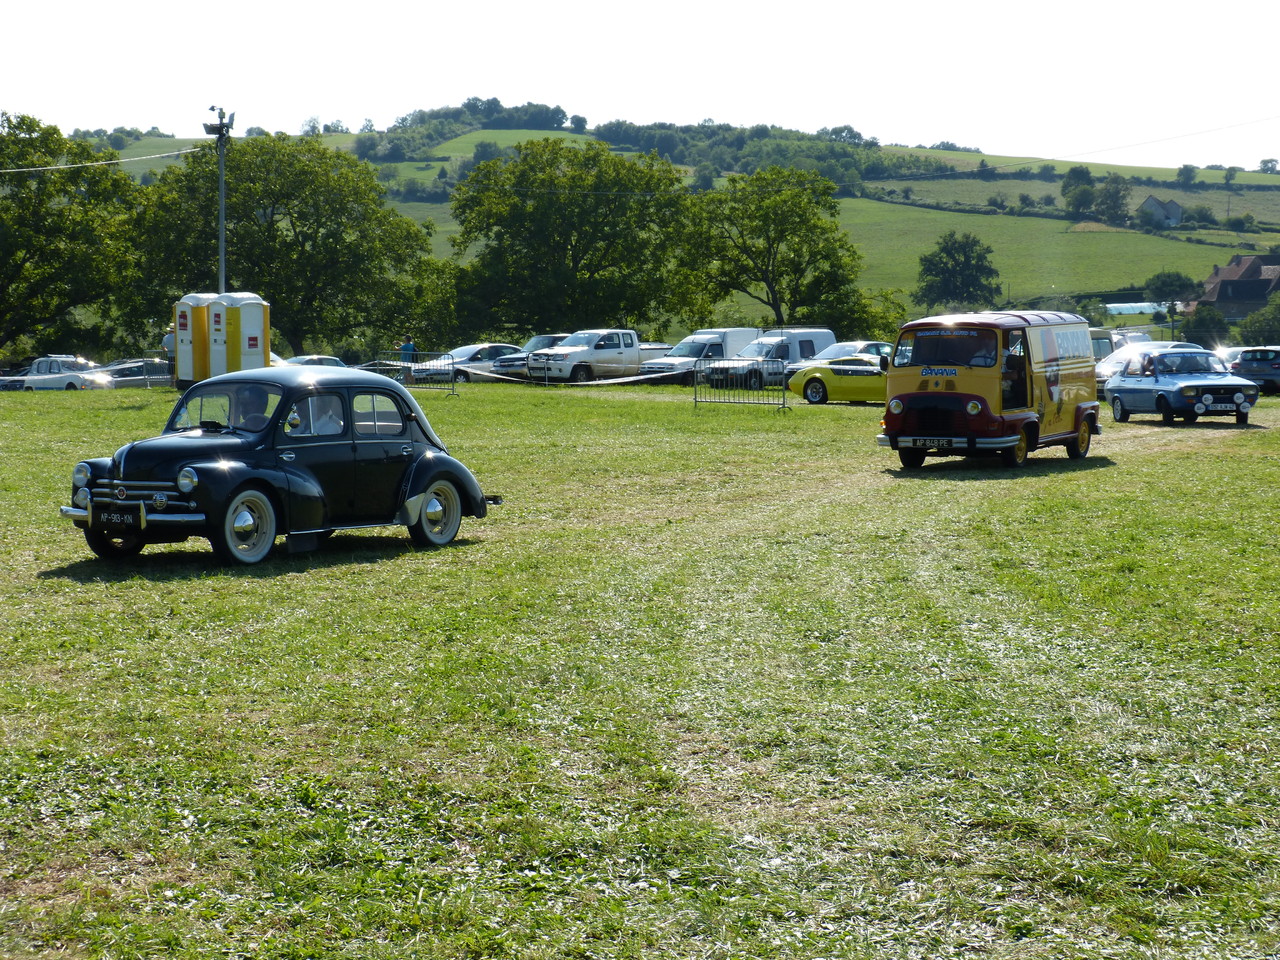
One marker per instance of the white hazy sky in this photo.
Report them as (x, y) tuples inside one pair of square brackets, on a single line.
[(1117, 81)]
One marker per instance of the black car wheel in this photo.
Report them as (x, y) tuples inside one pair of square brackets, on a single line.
[(440, 518), (114, 546), (248, 528)]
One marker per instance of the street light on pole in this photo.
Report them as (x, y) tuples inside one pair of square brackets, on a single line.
[(222, 130)]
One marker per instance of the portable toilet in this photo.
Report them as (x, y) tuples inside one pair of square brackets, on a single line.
[(191, 338), (246, 331)]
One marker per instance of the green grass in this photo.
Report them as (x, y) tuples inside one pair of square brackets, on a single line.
[(713, 682)]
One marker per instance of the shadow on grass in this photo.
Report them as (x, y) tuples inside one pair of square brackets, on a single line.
[(990, 468), (194, 560)]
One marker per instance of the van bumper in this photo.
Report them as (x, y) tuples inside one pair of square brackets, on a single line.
[(959, 444)]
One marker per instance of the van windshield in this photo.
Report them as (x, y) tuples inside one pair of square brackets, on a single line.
[(946, 347)]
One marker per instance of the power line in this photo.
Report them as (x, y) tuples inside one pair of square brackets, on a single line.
[(97, 163)]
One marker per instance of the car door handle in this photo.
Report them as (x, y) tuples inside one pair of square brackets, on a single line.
[(407, 450), (288, 456)]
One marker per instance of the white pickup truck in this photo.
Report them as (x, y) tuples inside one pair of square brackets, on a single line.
[(594, 355), (711, 343)]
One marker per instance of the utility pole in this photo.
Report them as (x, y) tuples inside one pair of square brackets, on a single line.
[(222, 130)]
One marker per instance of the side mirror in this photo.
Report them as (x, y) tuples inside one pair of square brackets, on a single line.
[(884, 364)]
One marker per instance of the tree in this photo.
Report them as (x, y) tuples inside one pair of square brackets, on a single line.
[(1111, 200), (1169, 286), (566, 237), (1077, 176), (774, 237), (64, 219), (1186, 176), (307, 229), (958, 271), (1079, 200), (1270, 165), (1205, 325), (1262, 326), (578, 123)]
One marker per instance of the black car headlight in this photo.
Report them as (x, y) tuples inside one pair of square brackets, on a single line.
[(81, 475), (187, 480)]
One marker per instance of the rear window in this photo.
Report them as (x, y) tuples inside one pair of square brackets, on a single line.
[(1258, 355)]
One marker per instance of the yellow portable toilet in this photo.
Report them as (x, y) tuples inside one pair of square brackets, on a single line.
[(191, 338), (246, 331)]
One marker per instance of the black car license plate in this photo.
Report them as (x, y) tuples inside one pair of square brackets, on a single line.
[(940, 442), (123, 516)]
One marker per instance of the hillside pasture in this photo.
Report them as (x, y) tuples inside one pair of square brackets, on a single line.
[(714, 682)]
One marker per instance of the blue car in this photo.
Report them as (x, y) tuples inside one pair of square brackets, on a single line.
[(1179, 383)]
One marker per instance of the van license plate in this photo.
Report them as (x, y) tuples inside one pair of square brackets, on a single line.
[(931, 442)]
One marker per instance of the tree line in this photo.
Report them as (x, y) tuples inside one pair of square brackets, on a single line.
[(551, 236)]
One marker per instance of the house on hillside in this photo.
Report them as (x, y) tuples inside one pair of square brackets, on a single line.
[(1160, 213), (1242, 286)]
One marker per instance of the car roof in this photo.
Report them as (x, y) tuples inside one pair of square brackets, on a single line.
[(300, 374)]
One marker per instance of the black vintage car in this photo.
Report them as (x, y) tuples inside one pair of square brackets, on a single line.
[(299, 451)]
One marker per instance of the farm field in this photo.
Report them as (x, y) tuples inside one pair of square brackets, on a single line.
[(713, 682)]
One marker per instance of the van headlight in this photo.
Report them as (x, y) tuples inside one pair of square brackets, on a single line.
[(895, 405), (973, 407), (81, 475), (187, 480)]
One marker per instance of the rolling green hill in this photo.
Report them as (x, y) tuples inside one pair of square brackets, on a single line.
[(1036, 257)]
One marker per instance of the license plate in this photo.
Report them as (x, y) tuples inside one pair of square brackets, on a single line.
[(124, 516), (931, 442), (1222, 406)]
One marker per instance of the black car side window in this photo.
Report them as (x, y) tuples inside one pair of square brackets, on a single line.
[(377, 415)]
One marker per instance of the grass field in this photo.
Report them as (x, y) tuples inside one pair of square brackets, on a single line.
[(714, 682)]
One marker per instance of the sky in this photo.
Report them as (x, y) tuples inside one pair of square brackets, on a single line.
[(1118, 82)]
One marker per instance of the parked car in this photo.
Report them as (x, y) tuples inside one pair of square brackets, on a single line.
[(840, 351), (140, 372), (299, 451), (856, 379), (605, 354), (1112, 362), (704, 345), (1179, 383), (62, 372), (463, 363), (763, 361), (316, 360), (1262, 366), (517, 364)]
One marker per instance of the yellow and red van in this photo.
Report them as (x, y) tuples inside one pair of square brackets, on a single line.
[(990, 384)]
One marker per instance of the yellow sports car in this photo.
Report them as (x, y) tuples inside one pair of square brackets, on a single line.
[(856, 379)]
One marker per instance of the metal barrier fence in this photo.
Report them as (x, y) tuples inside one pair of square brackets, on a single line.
[(762, 383), (421, 370)]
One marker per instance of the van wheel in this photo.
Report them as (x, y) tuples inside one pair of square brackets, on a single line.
[(1165, 411), (1118, 412), (815, 391), (1016, 455), (911, 457), (1078, 448)]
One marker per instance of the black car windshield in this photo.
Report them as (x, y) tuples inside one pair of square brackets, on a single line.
[(221, 406), (946, 347)]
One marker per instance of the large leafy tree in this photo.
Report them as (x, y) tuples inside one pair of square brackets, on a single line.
[(566, 237), (1206, 326), (64, 241), (1262, 326), (1170, 286), (774, 238), (307, 230), (1111, 200), (957, 272)]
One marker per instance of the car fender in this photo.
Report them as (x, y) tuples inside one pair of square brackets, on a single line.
[(439, 466), (220, 478)]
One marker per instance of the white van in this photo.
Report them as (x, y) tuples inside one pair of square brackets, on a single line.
[(711, 343), (763, 362)]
